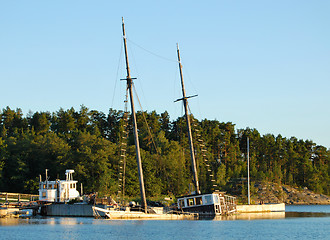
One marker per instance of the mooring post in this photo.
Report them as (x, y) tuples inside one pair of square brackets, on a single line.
[(248, 169)]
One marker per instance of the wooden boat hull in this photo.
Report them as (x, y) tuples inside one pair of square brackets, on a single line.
[(128, 215)]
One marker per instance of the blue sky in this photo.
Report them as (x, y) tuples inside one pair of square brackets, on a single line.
[(258, 64)]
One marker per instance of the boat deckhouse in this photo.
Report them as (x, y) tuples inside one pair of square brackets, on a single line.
[(58, 190), (216, 203)]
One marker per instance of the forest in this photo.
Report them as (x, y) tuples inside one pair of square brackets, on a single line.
[(98, 145)]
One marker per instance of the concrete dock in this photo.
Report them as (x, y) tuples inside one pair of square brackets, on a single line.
[(276, 207)]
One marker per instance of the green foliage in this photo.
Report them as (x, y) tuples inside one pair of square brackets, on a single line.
[(92, 157), (90, 142)]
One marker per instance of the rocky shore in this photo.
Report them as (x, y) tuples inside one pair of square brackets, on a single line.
[(275, 193)]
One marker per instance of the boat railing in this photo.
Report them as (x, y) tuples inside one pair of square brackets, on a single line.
[(230, 204), (227, 203)]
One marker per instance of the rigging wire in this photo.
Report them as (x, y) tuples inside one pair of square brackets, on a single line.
[(119, 64), (134, 62), (145, 119), (203, 149), (152, 53), (122, 161)]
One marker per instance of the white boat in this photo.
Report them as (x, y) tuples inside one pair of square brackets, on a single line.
[(117, 214), (59, 190)]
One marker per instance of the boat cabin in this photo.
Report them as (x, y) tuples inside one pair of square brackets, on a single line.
[(216, 203), (58, 190)]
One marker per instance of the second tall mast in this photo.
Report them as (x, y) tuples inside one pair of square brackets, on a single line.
[(185, 104)]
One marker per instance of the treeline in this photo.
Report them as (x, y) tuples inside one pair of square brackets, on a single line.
[(92, 142)]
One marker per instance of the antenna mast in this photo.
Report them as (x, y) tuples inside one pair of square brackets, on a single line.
[(248, 169), (136, 137)]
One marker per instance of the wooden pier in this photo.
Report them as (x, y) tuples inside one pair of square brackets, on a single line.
[(17, 197), (18, 204)]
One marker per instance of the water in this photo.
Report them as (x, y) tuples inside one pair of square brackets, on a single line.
[(297, 223), (308, 208)]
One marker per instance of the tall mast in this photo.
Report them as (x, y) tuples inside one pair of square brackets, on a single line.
[(185, 104), (136, 137)]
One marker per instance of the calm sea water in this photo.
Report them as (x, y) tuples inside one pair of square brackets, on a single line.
[(299, 222)]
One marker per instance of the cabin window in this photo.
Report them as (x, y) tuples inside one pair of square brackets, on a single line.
[(44, 186), (216, 199), (191, 201), (55, 186), (43, 194), (199, 201), (208, 199), (50, 186), (181, 203)]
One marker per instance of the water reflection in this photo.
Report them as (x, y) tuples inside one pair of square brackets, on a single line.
[(252, 216), (273, 215), (9, 221), (306, 214), (43, 220), (66, 221), (306, 211)]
